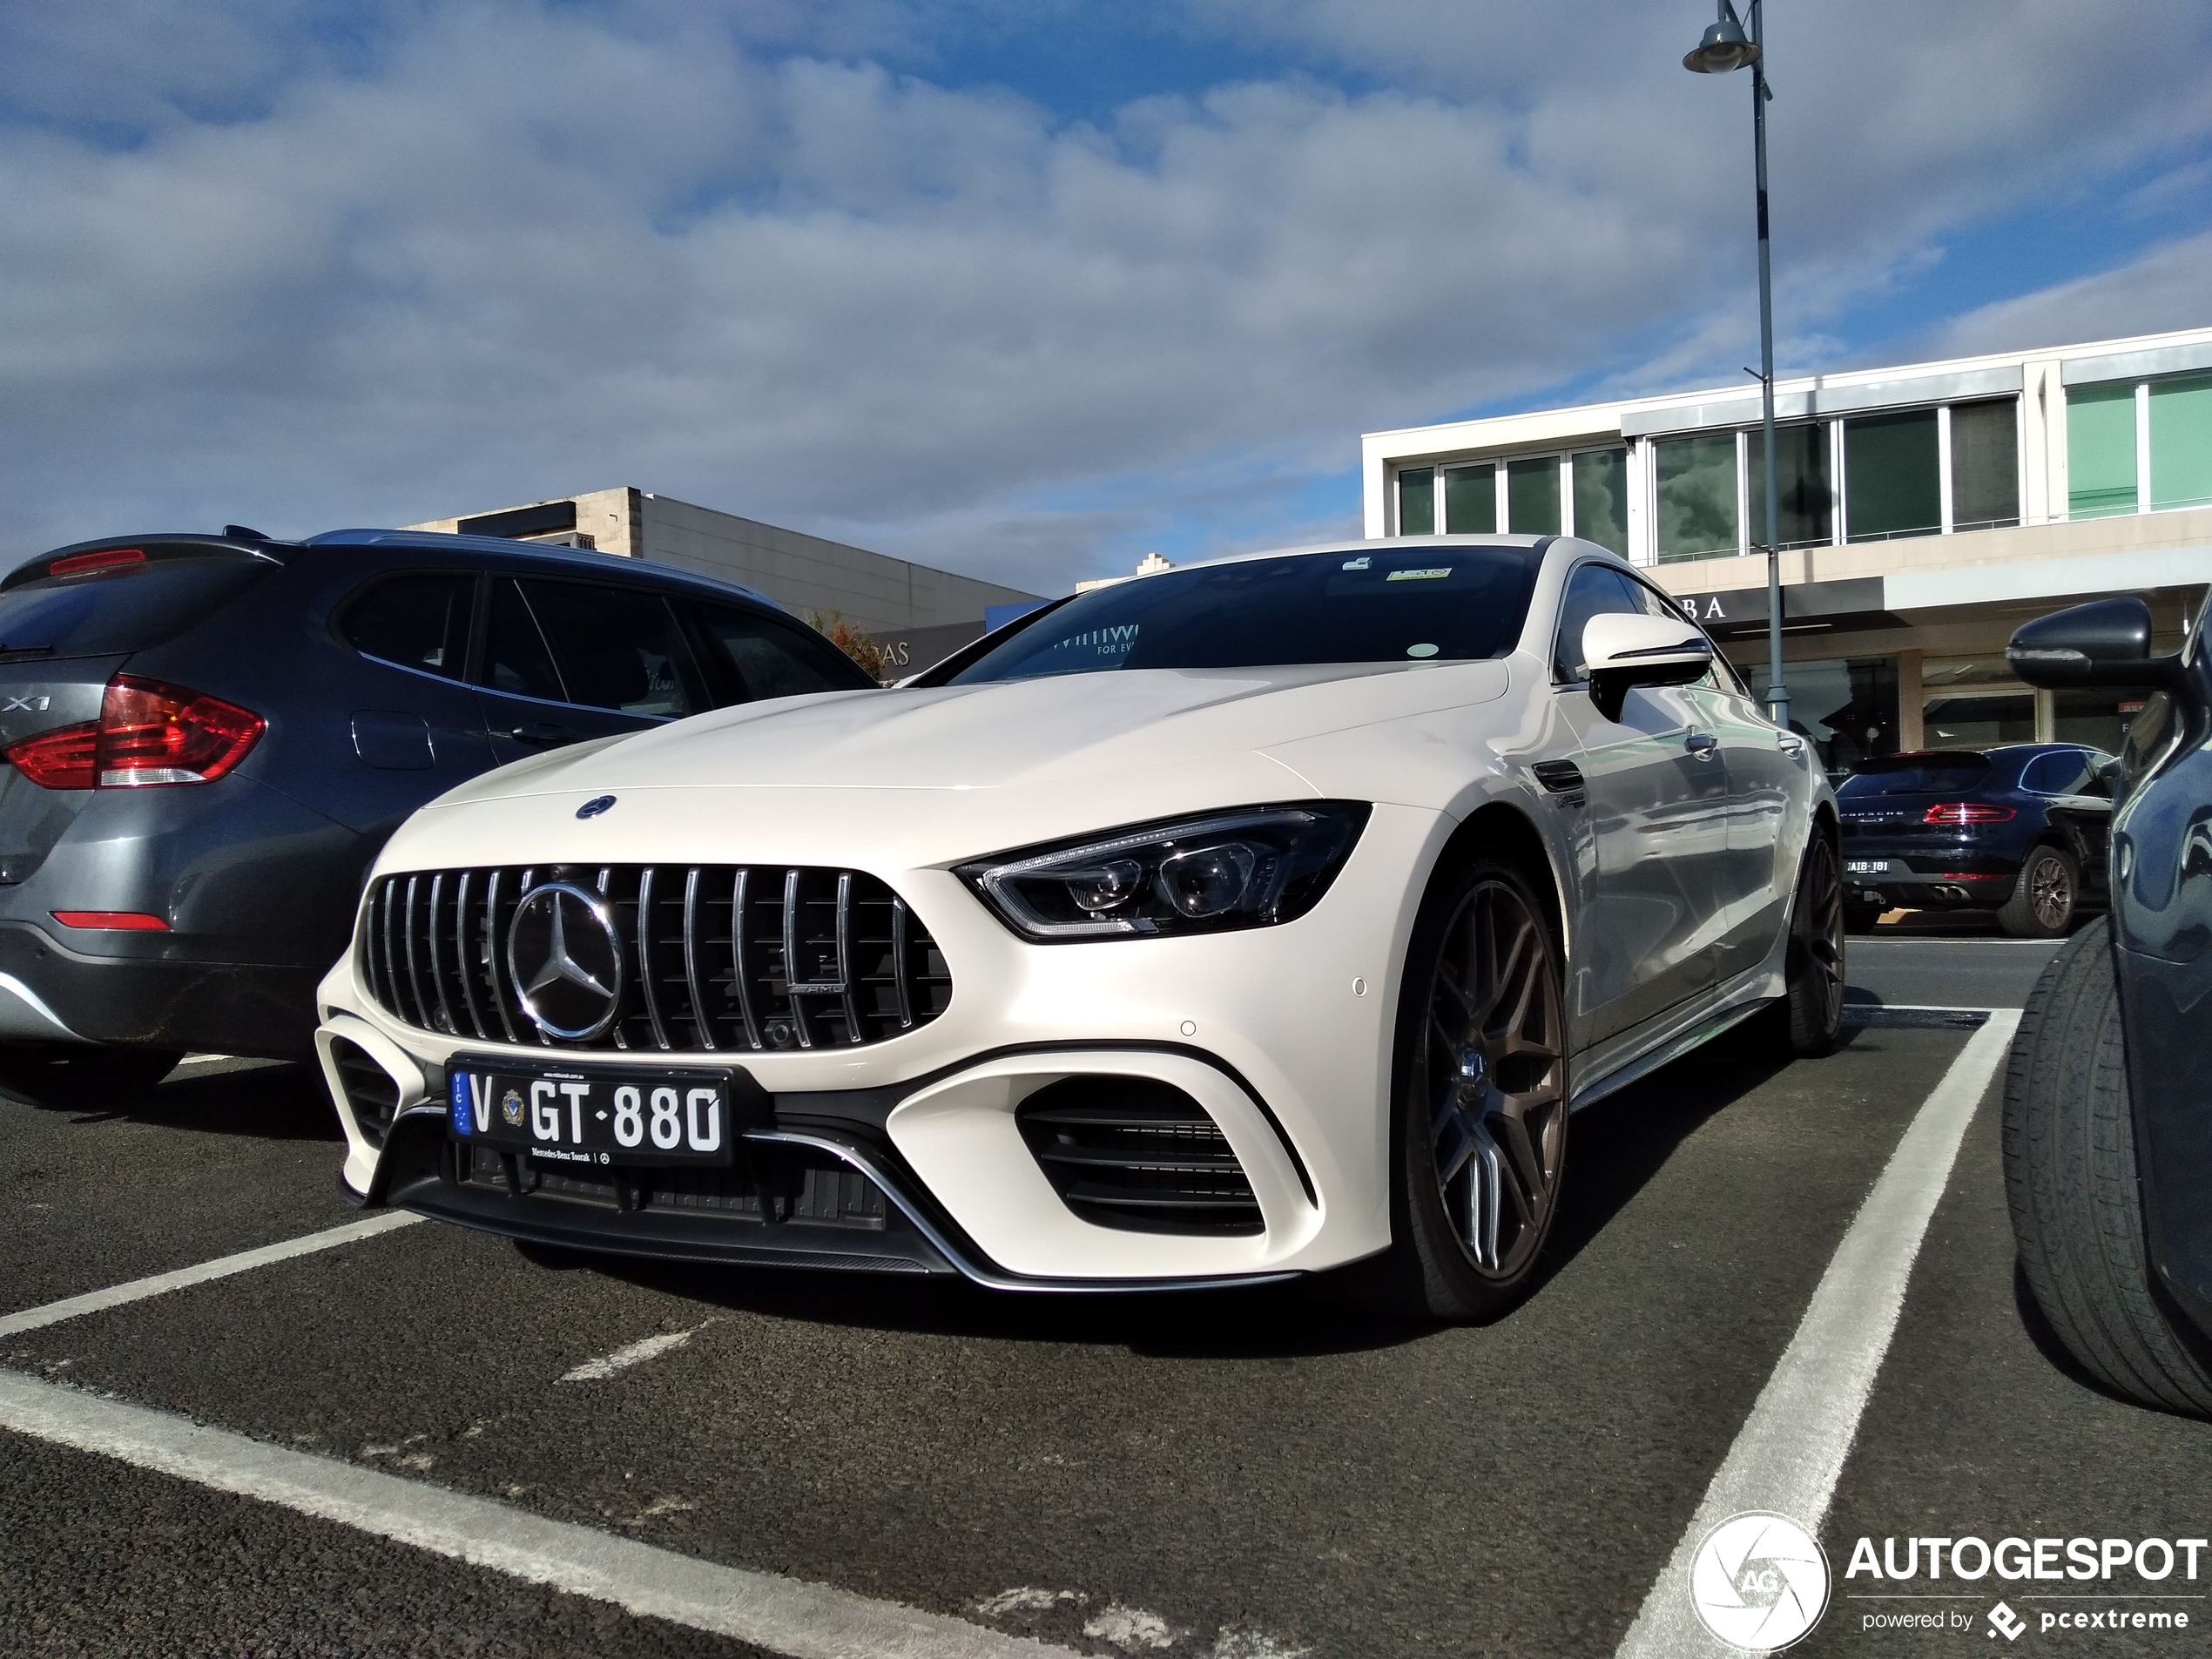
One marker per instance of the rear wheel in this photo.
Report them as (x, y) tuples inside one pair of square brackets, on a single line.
[(79, 1077), (1481, 1094), (1810, 1016), (2070, 1180), (2045, 897)]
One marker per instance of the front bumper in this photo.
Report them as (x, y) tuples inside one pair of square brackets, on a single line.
[(1281, 1035)]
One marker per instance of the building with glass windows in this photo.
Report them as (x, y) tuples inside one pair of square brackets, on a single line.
[(1925, 511)]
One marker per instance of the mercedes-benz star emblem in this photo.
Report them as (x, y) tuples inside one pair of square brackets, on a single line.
[(596, 806), (566, 958)]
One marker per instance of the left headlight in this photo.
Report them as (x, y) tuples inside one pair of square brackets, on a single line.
[(1250, 866)]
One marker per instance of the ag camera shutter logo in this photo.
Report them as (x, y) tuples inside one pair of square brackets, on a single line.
[(1759, 1582)]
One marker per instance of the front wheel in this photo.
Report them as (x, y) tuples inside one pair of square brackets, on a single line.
[(1479, 1095), (2071, 1181), (2044, 899), (77, 1078)]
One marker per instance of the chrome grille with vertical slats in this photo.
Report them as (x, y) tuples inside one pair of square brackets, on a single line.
[(742, 958)]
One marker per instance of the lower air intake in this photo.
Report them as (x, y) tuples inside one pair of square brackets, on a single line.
[(369, 1089), (1139, 1155)]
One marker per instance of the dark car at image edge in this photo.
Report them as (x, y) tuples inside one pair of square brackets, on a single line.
[(208, 738), (2108, 1129)]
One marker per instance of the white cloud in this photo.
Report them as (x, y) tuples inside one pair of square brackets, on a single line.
[(2168, 287), (437, 258)]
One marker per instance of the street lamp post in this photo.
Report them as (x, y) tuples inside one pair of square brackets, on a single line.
[(1726, 48)]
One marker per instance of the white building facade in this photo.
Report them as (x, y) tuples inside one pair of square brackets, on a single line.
[(1925, 511)]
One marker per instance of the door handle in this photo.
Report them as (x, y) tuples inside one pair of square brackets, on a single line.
[(541, 734), (1789, 743), (1704, 744)]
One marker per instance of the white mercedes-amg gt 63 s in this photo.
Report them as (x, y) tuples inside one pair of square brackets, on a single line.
[(1239, 920)]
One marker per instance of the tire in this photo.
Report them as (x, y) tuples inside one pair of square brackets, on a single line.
[(2070, 1181), (2046, 899), (1809, 1019), (1860, 918), (1479, 1095), (73, 1078)]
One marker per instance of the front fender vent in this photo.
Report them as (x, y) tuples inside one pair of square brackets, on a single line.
[(1139, 1155), (717, 958)]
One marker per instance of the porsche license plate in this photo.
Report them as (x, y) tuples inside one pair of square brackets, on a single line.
[(1866, 866), (582, 1114)]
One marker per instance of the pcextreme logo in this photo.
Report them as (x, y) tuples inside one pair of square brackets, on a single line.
[(1759, 1582)]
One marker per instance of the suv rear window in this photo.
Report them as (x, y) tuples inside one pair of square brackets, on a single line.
[(1922, 774), (119, 607)]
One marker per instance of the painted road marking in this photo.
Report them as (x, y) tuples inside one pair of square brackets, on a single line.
[(1790, 1450), (787, 1615), (138, 1289), (635, 1353)]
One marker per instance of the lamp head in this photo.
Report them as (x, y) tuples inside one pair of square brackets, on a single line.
[(1725, 47)]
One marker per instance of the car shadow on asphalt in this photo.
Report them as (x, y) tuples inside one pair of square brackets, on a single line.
[(1620, 1145), (269, 1100)]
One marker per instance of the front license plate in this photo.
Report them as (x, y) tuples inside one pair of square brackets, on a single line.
[(563, 1115), (1866, 866)]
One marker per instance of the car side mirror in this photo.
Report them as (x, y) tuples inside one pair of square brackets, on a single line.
[(2104, 642), (1620, 651)]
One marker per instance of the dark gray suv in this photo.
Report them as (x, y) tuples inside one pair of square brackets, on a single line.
[(207, 739)]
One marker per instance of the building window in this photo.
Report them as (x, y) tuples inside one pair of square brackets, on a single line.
[(1417, 500), (1806, 502), (1985, 465), (1471, 500), (1532, 496), (1601, 498), (2180, 443), (1893, 477), (1973, 703), (2099, 451), (1697, 497)]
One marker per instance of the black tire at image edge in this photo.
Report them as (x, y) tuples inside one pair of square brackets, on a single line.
[(2070, 1183)]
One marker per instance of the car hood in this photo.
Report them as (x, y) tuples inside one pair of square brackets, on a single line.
[(962, 769), (1007, 734)]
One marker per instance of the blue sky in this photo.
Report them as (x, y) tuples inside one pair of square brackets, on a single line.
[(1021, 287)]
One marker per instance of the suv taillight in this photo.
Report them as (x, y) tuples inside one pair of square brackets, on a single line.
[(148, 733), (1967, 811)]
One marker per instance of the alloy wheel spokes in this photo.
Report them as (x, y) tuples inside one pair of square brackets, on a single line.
[(1493, 1067)]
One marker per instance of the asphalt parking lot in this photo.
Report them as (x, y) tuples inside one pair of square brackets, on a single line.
[(1245, 1476)]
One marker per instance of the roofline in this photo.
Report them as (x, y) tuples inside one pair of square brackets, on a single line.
[(1819, 381)]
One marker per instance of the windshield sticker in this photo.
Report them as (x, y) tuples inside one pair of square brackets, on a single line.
[(1103, 641), (1417, 575), (1360, 563), (1420, 651)]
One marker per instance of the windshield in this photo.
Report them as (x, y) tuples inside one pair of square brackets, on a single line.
[(1922, 774), (120, 609), (1423, 605)]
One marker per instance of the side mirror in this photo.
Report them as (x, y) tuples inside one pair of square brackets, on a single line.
[(2106, 642), (1620, 651)]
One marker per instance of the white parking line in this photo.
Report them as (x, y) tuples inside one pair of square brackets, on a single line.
[(637, 1354), (1790, 1450), (783, 1614), (222, 1267)]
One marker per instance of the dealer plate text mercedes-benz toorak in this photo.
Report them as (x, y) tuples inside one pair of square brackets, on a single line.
[(1238, 920)]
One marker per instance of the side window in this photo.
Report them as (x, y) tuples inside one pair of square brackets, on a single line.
[(2067, 773), (616, 648), (771, 658), (515, 658), (1592, 591), (418, 621)]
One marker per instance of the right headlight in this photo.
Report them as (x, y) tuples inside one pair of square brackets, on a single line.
[(1250, 866)]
